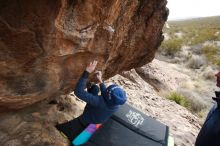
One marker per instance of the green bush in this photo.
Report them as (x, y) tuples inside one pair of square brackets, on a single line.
[(212, 53), (193, 104), (204, 35), (179, 99), (195, 31), (172, 46)]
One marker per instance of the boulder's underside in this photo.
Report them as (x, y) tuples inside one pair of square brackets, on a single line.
[(46, 44)]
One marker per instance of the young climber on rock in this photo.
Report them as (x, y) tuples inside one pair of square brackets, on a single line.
[(209, 135), (99, 108)]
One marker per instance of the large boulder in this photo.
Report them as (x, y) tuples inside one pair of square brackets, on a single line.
[(34, 126), (46, 44)]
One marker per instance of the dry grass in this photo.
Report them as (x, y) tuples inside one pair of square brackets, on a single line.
[(195, 62), (208, 73), (192, 103), (212, 53), (178, 98), (171, 47), (194, 33)]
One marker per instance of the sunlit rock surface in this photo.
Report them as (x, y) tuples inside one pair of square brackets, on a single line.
[(46, 44)]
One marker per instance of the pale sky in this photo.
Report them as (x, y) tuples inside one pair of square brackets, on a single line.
[(180, 9)]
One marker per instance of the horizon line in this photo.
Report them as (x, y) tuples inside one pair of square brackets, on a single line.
[(192, 17)]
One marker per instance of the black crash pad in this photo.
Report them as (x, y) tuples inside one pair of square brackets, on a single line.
[(130, 127)]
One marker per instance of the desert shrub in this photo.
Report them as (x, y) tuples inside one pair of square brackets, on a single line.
[(172, 46), (195, 62), (212, 53), (196, 105), (197, 49), (209, 73), (202, 115), (184, 55), (192, 103), (203, 35), (178, 98), (197, 31)]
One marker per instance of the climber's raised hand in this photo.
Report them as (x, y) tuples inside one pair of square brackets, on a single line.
[(91, 67), (99, 76)]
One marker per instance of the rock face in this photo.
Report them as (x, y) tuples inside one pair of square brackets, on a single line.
[(46, 44), (34, 126), (183, 125)]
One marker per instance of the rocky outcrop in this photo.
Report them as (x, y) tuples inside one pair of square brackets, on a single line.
[(34, 126), (183, 125), (162, 76), (46, 44)]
